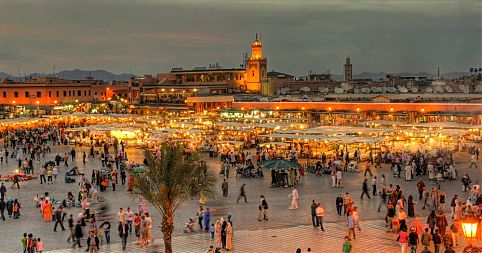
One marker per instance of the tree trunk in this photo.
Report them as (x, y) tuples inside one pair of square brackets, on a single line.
[(167, 228)]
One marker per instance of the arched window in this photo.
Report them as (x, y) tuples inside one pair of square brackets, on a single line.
[(252, 73)]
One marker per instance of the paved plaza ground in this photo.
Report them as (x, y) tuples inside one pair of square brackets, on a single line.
[(284, 232)]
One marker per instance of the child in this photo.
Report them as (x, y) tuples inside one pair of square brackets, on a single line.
[(347, 245), (137, 227), (24, 242), (211, 230), (40, 246)]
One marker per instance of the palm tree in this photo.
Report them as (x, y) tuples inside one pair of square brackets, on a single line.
[(471, 70), (170, 180)]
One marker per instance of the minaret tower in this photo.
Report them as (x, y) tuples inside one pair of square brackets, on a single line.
[(257, 65), (347, 70)]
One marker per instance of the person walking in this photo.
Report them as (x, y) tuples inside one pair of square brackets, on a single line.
[(420, 188), (225, 187), (455, 234), (314, 220), (413, 240), (58, 219), (123, 233), (374, 186), (93, 243), (426, 239), (339, 178), (129, 218), (411, 207), (447, 240), (3, 191), (200, 217), (320, 213), (403, 240), (242, 193), (437, 240), (294, 198), (3, 205), (15, 181), (466, 181), (390, 216), (351, 225), (383, 198), (442, 223), (333, 178), (226, 169), (365, 189), (40, 246), (347, 246), (78, 234), (473, 161), (453, 204), (106, 227), (339, 204), (23, 240), (263, 208), (367, 170), (70, 222), (207, 219)]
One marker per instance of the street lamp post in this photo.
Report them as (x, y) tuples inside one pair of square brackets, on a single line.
[(469, 226)]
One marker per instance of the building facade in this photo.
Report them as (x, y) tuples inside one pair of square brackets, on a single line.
[(53, 90), (204, 81)]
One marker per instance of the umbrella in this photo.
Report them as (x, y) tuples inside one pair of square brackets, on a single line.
[(278, 164), (138, 169)]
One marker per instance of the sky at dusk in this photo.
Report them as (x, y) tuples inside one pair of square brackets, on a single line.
[(144, 36)]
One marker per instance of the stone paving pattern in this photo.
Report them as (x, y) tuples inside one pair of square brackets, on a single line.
[(290, 226)]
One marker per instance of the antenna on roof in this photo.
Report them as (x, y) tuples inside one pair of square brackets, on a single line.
[(53, 72), (256, 36)]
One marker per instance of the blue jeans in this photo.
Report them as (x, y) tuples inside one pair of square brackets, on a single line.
[(107, 236), (129, 224)]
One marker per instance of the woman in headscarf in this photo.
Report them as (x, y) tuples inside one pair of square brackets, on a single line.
[(229, 236), (217, 234)]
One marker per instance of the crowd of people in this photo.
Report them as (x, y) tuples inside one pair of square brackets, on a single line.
[(89, 223)]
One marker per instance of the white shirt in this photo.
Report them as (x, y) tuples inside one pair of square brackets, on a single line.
[(130, 215)]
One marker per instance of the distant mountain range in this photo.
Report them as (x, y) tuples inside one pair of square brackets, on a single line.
[(78, 74), (107, 76)]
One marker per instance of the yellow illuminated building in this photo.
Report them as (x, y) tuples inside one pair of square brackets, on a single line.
[(256, 69)]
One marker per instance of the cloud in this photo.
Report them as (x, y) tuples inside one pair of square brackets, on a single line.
[(396, 35)]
